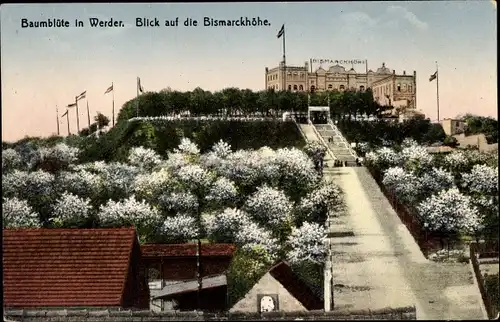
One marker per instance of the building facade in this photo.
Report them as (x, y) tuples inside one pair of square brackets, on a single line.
[(389, 88), (452, 127)]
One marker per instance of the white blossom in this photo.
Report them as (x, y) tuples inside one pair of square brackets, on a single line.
[(316, 151), (28, 151), (223, 190), (482, 179), (251, 236), (405, 185), (435, 180), (456, 161), (296, 166), (476, 157), (194, 177), (38, 184), (11, 159), (144, 158), (151, 185), (14, 183), (17, 213), (71, 209), (184, 202), (221, 149), (326, 196), (363, 147), (188, 147), (58, 156), (449, 211), (211, 161), (409, 142), (224, 226), (416, 157), (179, 228), (384, 158), (269, 205), (118, 178), (130, 212), (81, 183), (307, 243), (175, 161), (95, 167)]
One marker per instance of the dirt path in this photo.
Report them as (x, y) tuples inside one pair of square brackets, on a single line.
[(381, 264)]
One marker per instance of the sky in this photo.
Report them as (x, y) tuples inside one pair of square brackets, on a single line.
[(45, 68)]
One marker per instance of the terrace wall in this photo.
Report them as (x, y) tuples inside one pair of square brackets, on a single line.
[(405, 313)]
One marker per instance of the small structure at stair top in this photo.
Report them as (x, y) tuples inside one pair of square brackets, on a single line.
[(322, 110)]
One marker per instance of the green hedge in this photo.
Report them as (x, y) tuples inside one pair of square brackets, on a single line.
[(163, 136), (374, 132), (491, 286)]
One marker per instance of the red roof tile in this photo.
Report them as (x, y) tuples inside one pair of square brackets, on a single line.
[(182, 250), (65, 267), (284, 274)]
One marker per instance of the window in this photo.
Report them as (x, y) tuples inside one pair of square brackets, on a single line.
[(330, 86), (301, 88), (362, 88), (409, 88), (342, 87), (399, 87), (404, 87), (294, 87), (289, 87)]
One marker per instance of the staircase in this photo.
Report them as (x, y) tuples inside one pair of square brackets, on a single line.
[(338, 145)]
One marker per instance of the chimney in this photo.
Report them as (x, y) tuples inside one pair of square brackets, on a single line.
[(393, 72), (267, 70)]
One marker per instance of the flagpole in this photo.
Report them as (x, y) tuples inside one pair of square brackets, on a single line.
[(88, 114), (284, 58), (113, 108), (67, 121), (137, 98), (77, 115), (437, 90), (57, 112)]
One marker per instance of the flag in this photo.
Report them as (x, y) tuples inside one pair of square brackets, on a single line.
[(81, 96), (139, 86), (433, 76), (281, 32), (109, 89), (71, 105), (64, 114)]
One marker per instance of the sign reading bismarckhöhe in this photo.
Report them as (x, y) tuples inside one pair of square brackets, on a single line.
[(336, 61)]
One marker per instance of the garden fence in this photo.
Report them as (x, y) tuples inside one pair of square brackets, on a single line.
[(407, 216), (491, 309)]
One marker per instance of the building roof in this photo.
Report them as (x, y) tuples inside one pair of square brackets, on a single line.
[(439, 149), (186, 250), (66, 267), (190, 286), (299, 289)]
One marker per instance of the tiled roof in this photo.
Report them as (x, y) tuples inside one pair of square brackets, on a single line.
[(182, 250), (284, 274), (65, 267)]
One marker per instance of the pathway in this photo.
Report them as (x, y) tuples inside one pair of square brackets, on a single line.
[(377, 263)]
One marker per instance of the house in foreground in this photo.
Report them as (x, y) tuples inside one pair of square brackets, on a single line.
[(279, 290), (73, 268)]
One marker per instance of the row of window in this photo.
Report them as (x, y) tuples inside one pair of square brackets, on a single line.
[(289, 76), (387, 89), (313, 88)]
